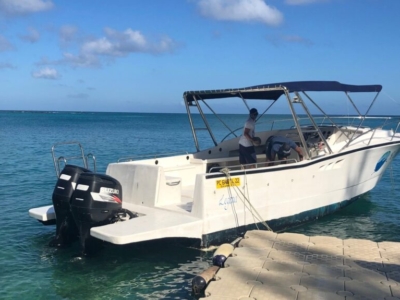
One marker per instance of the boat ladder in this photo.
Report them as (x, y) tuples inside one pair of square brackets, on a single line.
[(75, 153)]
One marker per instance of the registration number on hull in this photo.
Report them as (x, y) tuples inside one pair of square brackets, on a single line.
[(223, 183)]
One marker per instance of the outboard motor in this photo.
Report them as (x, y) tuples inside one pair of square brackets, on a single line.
[(97, 201), (66, 230)]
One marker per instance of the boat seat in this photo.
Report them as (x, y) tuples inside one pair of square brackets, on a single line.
[(259, 150), (181, 198), (187, 173), (187, 192)]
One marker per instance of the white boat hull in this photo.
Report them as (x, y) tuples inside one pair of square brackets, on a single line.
[(280, 195), (207, 194)]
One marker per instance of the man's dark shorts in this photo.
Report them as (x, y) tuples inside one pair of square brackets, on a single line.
[(247, 155)]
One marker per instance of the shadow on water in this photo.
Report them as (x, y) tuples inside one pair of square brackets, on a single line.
[(363, 219), (161, 269)]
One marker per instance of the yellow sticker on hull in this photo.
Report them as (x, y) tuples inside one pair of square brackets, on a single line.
[(223, 183)]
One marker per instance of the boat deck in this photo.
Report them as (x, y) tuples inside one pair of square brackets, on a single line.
[(152, 224), (266, 265)]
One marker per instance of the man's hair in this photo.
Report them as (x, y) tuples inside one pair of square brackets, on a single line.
[(253, 111), (284, 150)]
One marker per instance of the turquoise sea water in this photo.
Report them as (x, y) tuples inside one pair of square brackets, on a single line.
[(30, 269)]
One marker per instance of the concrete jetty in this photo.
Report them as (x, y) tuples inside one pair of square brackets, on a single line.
[(267, 265)]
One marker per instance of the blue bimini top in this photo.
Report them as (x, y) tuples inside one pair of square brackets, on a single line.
[(273, 91)]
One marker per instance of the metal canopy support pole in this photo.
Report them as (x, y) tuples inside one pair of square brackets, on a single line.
[(205, 120), (351, 101), (244, 101), (313, 122), (394, 132), (369, 108), (265, 111), (196, 142), (360, 115), (363, 119), (320, 109), (222, 121), (301, 136)]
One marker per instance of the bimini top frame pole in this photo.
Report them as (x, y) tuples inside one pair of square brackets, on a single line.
[(196, 142), (267, 92), (208, 128), (298, 127)]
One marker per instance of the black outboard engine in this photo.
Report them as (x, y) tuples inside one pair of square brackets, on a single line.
[(66, 230), (97, 201)]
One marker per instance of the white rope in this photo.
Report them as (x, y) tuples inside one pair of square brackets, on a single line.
[(233, 205), (245, 200), (246, 196), (387, 95)]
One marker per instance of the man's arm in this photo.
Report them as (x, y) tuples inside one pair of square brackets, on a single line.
[(247, 135), (300, 152)]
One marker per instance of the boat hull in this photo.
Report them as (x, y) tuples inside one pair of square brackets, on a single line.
[(276, 225), (209, 194), (224, 205)]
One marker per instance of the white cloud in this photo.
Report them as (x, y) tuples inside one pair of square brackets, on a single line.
[(241, 10), (302, 2), (22, 7), (67, 33), (166, 44), (100, 46), (5, 45), (80, 60), (46, 73), (32, 36), (114, 44), (127, 41), (123, 43), (6, 66)]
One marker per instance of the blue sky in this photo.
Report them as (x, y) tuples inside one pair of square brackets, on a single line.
[(141, 55)]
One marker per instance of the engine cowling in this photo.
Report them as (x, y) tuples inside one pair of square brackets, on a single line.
[(66, 230), (96, 201)]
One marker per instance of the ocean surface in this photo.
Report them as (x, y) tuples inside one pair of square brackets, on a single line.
[(30, 269)]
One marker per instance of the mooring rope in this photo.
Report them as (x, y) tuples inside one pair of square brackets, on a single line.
[(394, 100), (245, 199)]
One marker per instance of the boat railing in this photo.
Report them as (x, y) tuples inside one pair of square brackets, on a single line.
[(346, 124), (92, 158), (150, 156), (61, 161), (269, 125), (351, 121), (395, 131), (373, 130)]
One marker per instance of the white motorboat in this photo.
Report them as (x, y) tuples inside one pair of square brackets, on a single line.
[(208, 195)]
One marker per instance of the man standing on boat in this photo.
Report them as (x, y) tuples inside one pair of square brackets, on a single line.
[(247, 152), (280, 146)]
